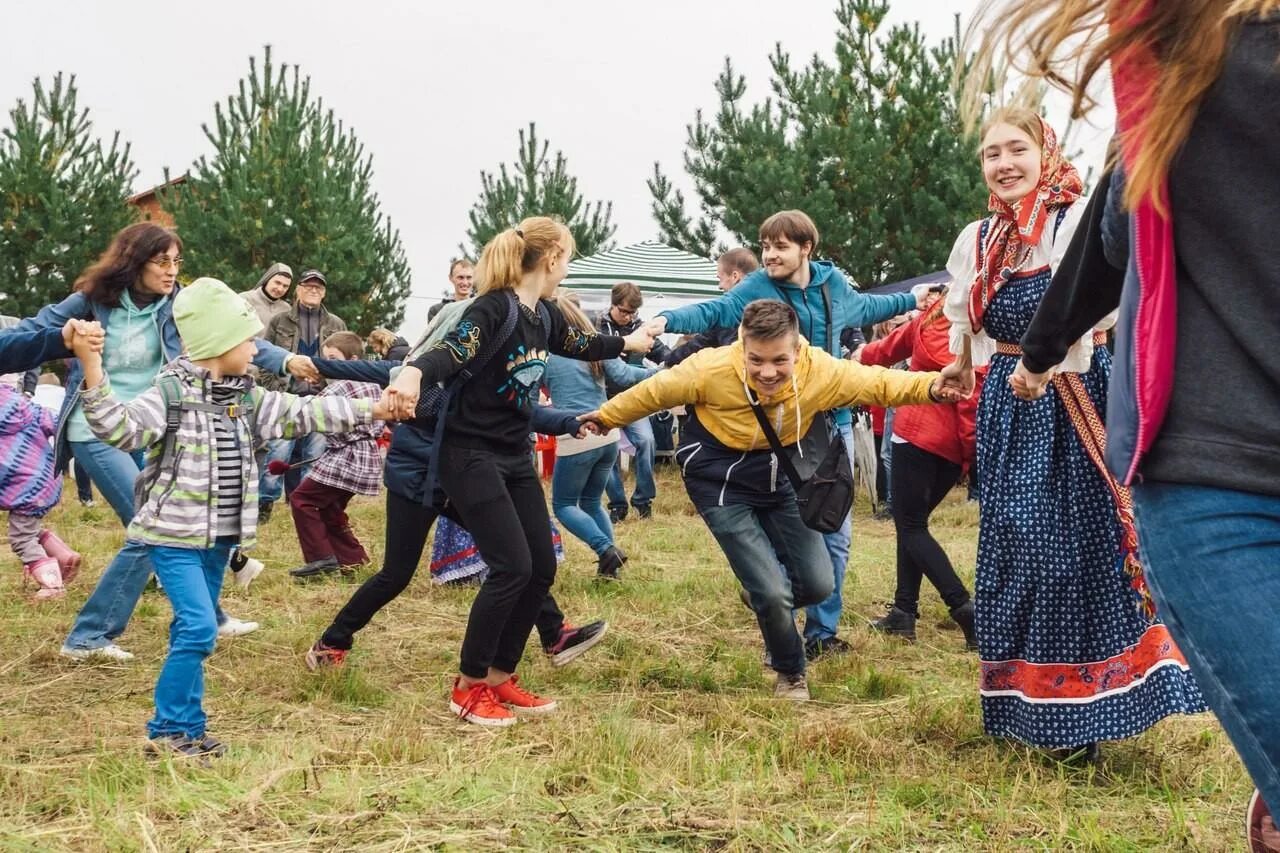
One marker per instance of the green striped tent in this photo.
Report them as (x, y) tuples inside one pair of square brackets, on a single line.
[(667, 276)]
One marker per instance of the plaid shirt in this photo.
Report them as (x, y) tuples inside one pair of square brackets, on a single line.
[(351, 460)]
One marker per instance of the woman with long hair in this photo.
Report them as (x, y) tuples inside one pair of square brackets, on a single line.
[(932, 446), (583, 465), (483, 460), (1185, 247), (1068, 659), (129, 290)]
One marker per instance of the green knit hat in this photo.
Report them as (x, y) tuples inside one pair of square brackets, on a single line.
[(212, 319)]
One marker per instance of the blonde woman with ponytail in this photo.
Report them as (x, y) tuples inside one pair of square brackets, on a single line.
[(483, 461), (1185, 246)]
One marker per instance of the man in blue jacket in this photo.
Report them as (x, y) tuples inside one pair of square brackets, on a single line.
[(788, 240)]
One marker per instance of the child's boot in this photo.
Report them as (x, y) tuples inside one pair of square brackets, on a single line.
[(47, 577), (68, 560)]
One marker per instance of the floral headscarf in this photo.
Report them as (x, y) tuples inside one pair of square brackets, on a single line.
[(1014, 233)]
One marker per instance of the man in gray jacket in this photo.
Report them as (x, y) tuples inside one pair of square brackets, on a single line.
[(267, 298)]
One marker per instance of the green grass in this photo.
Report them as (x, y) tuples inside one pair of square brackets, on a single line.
[(667, 738)]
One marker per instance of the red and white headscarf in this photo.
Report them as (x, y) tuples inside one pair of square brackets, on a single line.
[(1014, 233)]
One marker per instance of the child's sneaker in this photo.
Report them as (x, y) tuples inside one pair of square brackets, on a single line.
[(515, 697), (478, 704), (321, 657), (234, 627), (68, 560), (47, 577), (244, 569), (108, 652), (574, 641)]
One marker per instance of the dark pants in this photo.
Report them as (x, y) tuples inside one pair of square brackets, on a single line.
[(320, 518), (408, 524), (920, 481)]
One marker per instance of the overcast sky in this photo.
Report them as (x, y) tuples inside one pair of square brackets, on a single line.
[(435, 91)]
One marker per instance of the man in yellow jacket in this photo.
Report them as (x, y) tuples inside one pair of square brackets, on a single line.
[(730, 473)]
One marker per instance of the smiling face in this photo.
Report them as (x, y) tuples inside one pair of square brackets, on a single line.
[(159, 273), (310, 293), (462, 278), (1010, 162), (783, 259), (278, 285), (770, 362)]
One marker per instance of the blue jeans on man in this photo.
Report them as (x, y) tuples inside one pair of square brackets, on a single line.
[(192, 579), (754, 539), (640, 434), (1212, 561), (106, 613), (822, 620)]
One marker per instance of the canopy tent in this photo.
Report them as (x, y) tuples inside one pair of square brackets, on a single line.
[(939, 277), (668, 277)]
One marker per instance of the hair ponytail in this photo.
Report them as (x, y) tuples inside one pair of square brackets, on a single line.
[(517, 251)]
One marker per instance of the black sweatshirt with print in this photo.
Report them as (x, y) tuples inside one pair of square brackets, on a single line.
[(494, 408)]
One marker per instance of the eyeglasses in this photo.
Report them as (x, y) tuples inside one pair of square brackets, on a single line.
[(166, 263), (626, 312)]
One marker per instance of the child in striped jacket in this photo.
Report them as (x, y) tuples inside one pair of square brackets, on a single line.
[(198, 492)]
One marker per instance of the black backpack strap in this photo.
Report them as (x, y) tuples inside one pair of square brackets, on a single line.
[(826, 303), (774, 442)]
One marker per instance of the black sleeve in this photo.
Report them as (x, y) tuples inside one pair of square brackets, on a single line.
[(563, 339), (1085, 288), (358, 371), (659, 352), (482, 320), (549, 421)]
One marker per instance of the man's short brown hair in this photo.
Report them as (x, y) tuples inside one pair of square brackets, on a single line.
[(627, 295), (347, 343), (768, 320), (739, 260), (795, 225), (459, 262)]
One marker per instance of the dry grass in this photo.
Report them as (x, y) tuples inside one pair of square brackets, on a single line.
[(667, 738)]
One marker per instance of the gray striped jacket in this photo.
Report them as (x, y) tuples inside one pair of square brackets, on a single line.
[(179, 507)]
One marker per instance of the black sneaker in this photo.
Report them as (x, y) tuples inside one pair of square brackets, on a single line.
[(896, 623), (617, 514), (644, 511), (963, 615), (264, 511), (324, 566), (574, 641), (816, 649), (610, 563)]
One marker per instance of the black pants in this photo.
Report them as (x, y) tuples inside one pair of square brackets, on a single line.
[(920, 481), (499, 499), (408, 524)]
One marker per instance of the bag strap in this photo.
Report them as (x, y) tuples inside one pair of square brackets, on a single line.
[(826, 303), (774, 442)]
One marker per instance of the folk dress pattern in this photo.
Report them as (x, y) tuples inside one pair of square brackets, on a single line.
[(455, 559), (1068, 657)]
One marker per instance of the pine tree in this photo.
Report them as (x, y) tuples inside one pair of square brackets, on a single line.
[(537, 185), (289, 182), (63, 194), (870, 146)]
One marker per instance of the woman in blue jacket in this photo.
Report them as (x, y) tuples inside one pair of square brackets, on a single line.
[(129, 290), (583, 464)]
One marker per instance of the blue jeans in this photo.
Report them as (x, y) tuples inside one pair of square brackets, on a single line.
[(886, 457), (823, 620), (192, 579), (577, 485), (1212, 559), (270, 486), (754, 539), (106, 613), (640, 434)]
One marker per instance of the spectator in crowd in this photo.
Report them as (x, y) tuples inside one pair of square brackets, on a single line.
[(462, 275), (267, 298), (387, 345)]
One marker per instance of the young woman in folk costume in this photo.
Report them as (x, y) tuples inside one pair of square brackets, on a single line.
[(484, 465), (1185, 246), (1068, 656)]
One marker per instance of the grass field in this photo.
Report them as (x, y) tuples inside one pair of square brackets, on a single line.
[(668, 736)]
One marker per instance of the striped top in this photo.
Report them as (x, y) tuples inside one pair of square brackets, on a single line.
[(228, 496)]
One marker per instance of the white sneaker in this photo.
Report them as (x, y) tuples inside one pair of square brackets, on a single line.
[(234, 627), (109, 652), (244, 577)]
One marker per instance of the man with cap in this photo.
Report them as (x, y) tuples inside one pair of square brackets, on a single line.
[(298, 330), (267, 298)]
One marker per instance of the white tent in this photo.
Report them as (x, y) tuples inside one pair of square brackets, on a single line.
[(668, 277)]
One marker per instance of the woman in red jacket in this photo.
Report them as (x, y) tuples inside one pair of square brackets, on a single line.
[(933, 445)]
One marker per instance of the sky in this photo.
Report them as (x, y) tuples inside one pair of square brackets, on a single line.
[(437, 92)]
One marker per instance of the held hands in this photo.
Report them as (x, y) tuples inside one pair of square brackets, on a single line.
[(83, 337), (302, 367), (591, 424), (641, 340), (1027, 385), (402, 394), (385, 408), (957, 380)]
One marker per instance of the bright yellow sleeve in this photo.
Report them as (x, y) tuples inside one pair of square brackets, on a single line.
[(681, 385), (841, 383)]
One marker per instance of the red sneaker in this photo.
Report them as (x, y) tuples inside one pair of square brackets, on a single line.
[(478, 704), (515, 697), (321, 656)]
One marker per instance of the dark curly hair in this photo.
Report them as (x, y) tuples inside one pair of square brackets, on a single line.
[(120, 265)]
